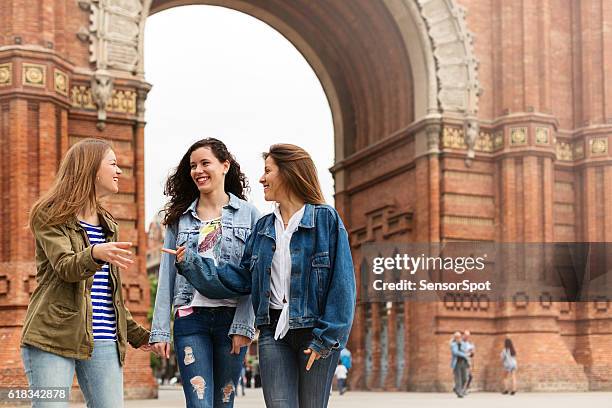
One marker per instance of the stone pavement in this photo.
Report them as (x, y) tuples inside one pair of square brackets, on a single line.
[(171, 397)]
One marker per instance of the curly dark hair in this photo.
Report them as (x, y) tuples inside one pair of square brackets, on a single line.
[(182, 190)]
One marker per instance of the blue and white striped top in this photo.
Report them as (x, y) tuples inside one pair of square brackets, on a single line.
[(104, 323)]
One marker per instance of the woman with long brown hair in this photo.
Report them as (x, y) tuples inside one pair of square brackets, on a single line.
[(76, 318), (298, 268), (508, 357)]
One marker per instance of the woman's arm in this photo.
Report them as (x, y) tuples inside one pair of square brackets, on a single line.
[(69, 265), (218, 282), (160, 327), (244, 318), (334, 325), (137, 335)]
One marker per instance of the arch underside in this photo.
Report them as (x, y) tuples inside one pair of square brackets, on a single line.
[(376, 60)]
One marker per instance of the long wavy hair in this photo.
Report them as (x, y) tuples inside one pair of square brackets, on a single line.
[(510, 347), (74, 187), (298, 171), (183, 191)]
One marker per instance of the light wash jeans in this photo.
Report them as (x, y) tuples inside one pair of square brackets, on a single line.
[(208, 371), (100, 378)]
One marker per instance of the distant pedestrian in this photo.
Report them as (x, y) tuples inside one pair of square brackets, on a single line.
[(469, 348), (508, 356), (346, 359), (340, 373), (460, 363)]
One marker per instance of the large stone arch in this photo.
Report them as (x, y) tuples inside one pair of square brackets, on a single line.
[(427, 72)]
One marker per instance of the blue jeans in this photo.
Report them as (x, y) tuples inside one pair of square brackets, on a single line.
[(209, 372), (100, 378), (282, 363)]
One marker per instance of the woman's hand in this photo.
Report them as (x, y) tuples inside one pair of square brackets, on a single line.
[(179, 253), (161, 349), (145, 347), (116, 253), (313, 356), (238, 342)]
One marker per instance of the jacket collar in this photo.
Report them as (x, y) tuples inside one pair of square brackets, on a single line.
[(234, 203), (307, 221), (106, 220)]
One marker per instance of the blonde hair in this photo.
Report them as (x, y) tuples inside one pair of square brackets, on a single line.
[(297, 170), (74, 188)]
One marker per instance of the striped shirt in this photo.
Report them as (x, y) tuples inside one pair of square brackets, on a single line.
[(104, 323)]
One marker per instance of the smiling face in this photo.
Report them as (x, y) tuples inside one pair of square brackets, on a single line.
[(207, 172), (272, 182), (107, 178)]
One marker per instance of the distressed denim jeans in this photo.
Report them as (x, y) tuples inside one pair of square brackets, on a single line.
[(208, 371), (100, 378), (285, 381)]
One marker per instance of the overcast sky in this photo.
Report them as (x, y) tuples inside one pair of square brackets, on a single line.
[(220, 73)]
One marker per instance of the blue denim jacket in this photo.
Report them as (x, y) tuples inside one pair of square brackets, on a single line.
[(456, 353), (237, 220), (323, 292)]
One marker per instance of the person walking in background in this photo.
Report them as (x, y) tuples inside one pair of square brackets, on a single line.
[(340, 374), (469, 348), (347, 361), (460, 363), (207, 212), (508, 357), (242, 378), (76, 318), (298, 266)]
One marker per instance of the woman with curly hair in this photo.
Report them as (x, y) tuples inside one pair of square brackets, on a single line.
[(207, 213)]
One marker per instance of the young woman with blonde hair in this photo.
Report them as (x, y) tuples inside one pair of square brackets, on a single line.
[(76, 318), (298, 268)]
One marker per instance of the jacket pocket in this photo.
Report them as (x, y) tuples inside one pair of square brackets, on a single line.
[(321, 267), (66, 325), (240, 237)]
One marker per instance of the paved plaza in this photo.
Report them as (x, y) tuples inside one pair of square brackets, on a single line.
[(173, 398)]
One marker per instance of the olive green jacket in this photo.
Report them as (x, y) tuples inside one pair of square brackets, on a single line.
[(59, 317)]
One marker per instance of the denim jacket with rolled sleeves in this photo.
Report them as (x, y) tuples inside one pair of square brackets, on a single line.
[(237, 220), (322, 293)]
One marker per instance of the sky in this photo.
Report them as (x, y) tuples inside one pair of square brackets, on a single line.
[(220, 73)]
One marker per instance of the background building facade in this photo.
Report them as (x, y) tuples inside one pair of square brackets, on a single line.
[(454, 120)]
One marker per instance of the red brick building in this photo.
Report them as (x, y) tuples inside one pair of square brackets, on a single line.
[(454, 120)]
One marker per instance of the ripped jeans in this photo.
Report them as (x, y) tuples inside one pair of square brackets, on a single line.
[(209, 372)]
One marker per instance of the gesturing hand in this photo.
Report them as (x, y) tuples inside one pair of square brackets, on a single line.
[(116, 253), (313, 356), (180, 253)]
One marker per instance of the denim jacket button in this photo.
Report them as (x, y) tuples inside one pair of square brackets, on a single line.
[(267, 293), (269, 270), (274, 247)]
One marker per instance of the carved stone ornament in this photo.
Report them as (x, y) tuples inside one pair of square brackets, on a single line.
[(115, 27), (60, 82), (101, 92), (599, 146), (471, 130), (6, 74), (115, 41), (34, 75)]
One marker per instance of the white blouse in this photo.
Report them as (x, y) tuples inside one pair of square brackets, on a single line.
[(281, 269)]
